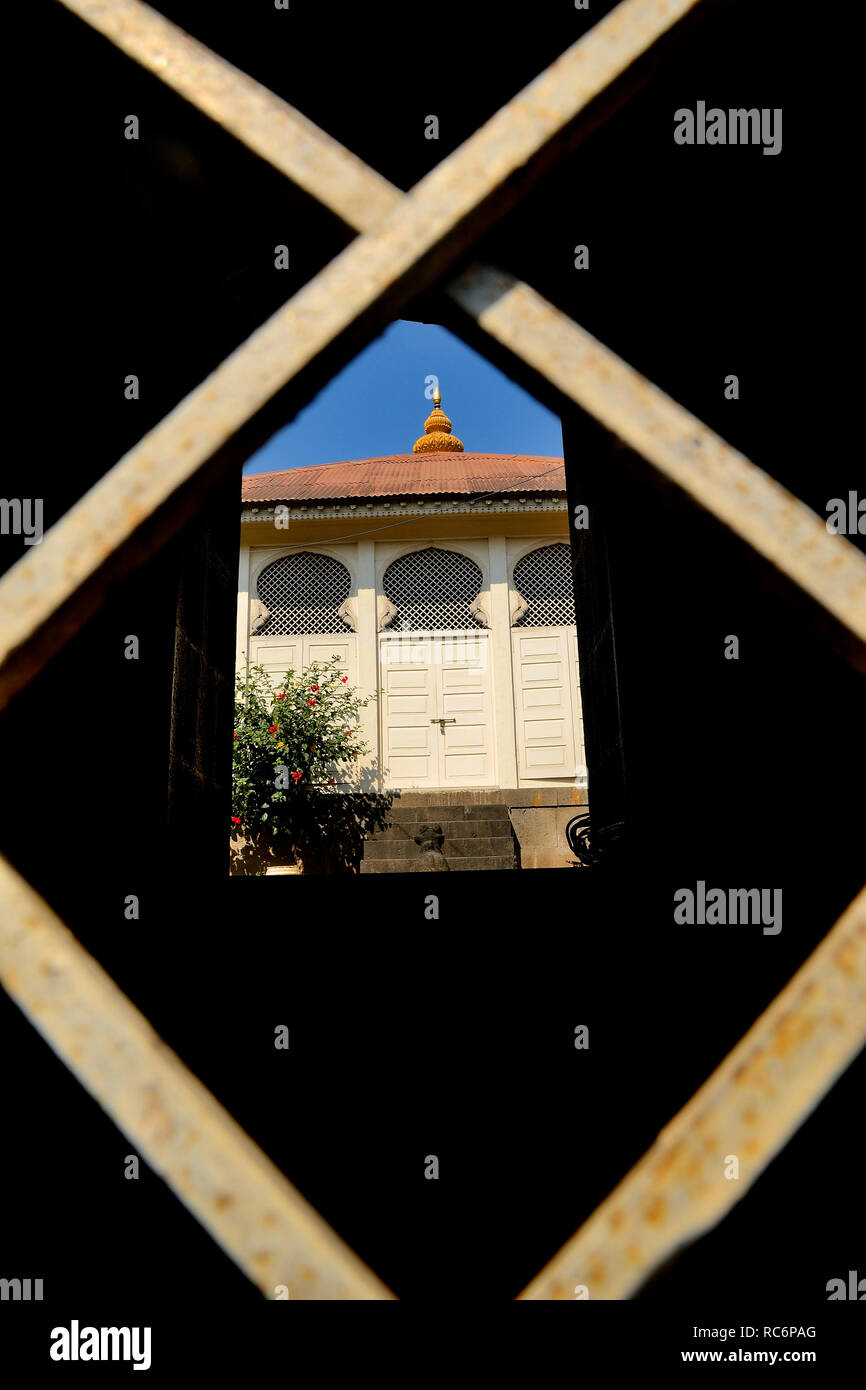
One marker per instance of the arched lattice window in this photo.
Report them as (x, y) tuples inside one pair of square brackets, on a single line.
[(543, 580), (304, 593), (433, 589)]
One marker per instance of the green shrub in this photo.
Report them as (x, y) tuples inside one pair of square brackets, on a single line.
[(293, 747)]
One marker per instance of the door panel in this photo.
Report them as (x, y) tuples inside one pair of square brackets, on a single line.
[(545, 704), (580, 747), (466, 747), (409, 753), (279, 654)]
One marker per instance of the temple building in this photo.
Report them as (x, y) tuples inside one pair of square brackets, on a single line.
[(442, 579)]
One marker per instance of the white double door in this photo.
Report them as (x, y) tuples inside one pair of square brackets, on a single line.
[(436, 709)]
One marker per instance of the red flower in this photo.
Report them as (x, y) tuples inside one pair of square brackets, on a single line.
[(236, 820), (344, 679), (314, 687), (296, 776), (311, 702), (235, 735), (273, 729), (280, 696), (331, 781)]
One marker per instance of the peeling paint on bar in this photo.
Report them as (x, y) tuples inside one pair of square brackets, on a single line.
[(750, 1106), (230, 1186)]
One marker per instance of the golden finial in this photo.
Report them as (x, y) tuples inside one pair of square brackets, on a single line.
[(437, 437)]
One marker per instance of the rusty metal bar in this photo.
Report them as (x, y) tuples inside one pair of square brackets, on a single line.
[(258, 1218), (749, 1108), (740, 495), (355, 295)]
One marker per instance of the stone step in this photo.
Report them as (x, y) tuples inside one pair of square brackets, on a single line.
[(467, 862), (475, 846), (451, 829), (435, 812), (559, 795)]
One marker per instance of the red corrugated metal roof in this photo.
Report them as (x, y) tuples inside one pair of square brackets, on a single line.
[(409, 475)]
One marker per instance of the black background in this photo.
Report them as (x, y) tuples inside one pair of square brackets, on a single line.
[(453, 1037)]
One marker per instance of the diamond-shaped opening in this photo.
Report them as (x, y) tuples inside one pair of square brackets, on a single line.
[(437, 576)]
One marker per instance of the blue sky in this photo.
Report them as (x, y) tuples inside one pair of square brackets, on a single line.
[(377, 405)]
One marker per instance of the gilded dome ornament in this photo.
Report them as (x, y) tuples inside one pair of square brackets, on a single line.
[(437, 437)]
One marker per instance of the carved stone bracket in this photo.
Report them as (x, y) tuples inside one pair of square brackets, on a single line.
[(386, 612), (348, 613), (480, 608), (518, 606), (259, 615)]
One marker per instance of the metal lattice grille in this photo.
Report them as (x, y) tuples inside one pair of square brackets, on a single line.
[(304, 594), (433, 589), (407, 240), (543, 579)]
